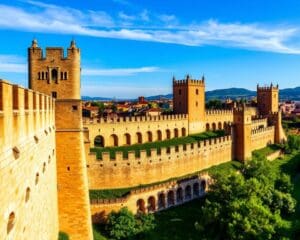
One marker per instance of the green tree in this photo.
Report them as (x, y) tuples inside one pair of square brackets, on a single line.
[(247, 204), (125, 225)]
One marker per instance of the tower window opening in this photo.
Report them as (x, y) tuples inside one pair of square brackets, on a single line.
[(196, 104), (42, 75), (39, 76), (61, 76), (197, 91), (54, 94), (179, 91), (54, 75), (46, 75), (74, 108), (66, 76)]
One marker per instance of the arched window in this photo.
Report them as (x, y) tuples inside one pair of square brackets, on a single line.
[(61, 75), (66, 76), (99, 141), (42, 75), (39, 76), (197, 91), (127, 139), (54, 75)]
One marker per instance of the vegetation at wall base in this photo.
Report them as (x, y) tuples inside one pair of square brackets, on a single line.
[(63, 236), (257, 199), (157, 145)]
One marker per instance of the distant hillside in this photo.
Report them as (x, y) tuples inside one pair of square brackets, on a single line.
[(233, 93)]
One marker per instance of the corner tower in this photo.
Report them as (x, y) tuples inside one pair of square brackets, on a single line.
[(189, 98), (267, 99), (59, 76)]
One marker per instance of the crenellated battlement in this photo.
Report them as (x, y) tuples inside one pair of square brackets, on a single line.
[(23, 113), (267, 88), (258, 121), (52, 52), (262, 130), (188, 81), (157, 155), (136, 119), (219, 112)]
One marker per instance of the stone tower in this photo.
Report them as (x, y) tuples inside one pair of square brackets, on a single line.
[(267, 99), (59, 76), (242, 133), (189, 98)]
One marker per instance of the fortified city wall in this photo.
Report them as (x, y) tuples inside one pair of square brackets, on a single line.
[(152, 198), (27, 165), (132, 130), (169, 163)]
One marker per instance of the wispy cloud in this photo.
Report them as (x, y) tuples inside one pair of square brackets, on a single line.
[(165, 29), (12, 63), (17, 64), (118, 71)]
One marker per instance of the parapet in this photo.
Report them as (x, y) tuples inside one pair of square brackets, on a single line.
[(164, 153), (137, 119), (267, 88), (189, 81), (219, 112), (262, 130), (50, 52), (23, 112)]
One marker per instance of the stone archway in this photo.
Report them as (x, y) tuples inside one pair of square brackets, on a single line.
[(113, 140), (151, 204), (196, 189), (141, 206), (99, 141), (127, 139), (188, 192), (139, 138), (171, 198), (161, 201), (179, 195)]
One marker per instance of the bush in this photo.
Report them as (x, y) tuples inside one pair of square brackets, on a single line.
[(63, 236), (124, 225)]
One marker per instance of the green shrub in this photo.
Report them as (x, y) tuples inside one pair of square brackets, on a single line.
[(63, 236)]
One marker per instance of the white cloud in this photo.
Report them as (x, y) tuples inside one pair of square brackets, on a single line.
[(49, 19), (12, 63), (117, 71)]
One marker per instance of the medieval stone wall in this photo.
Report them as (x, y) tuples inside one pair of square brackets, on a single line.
[(169, 163), (132, 130), (153, 198), (262, 137), (28, 193)]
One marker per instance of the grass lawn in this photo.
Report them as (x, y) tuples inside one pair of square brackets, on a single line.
[(157, 145), (178, 222), (266, 150)]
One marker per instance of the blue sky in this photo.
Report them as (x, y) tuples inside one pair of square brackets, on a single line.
[(134, 47)]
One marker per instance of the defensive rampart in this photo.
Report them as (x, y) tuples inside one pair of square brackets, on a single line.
[(28, 193), (262, 137), (132, 130), (161, 165), (153, 198)]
